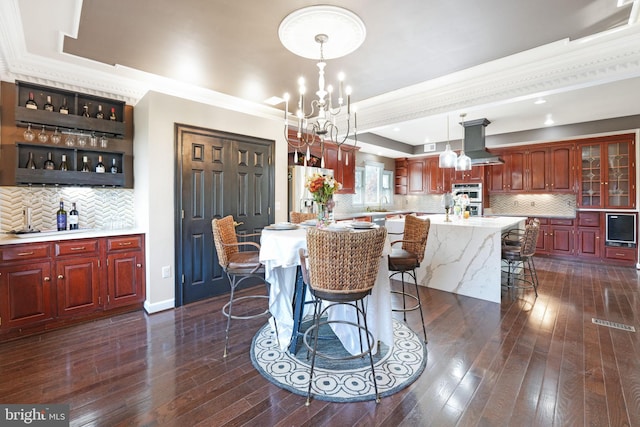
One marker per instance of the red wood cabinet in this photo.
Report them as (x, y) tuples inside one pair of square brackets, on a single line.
[(401, 177), (417, 176), (77, 277), (476, 174), (540, 168), (48, 283), (25, 294), (607, 173), (589, 242), (125, 272), (344, 171), (439, 179)]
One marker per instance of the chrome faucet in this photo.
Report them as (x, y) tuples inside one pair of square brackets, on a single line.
[(385, 200)]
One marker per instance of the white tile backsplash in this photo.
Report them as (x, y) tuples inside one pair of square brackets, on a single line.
[(98, 208)]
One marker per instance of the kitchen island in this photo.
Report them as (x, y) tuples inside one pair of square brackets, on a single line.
[(462, 256)]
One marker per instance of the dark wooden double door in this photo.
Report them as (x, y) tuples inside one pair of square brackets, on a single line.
[(218, 174)]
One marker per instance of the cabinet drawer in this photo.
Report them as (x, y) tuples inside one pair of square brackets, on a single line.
[(75, 247), (588, 219), (561, 221), (25, 252), (614, 252), (124, 243)]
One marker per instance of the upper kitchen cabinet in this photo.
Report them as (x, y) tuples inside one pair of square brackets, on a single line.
[(55, 125), (543, 168), (476, 174), (417, 176), (343, 164), (607, 172)]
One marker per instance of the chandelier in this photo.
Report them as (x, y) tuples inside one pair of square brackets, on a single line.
[(318, 123)]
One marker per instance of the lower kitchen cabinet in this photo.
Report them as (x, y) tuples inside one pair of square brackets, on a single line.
[(77, 277), (581, 239), (48, 284), (125, 275), (26, 296)]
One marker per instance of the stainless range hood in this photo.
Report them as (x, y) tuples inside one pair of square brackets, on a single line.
[(474, 144)]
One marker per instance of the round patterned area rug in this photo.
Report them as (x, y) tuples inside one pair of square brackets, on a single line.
[(341, 381)]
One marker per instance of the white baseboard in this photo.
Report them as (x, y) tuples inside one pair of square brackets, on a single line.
[(159, 306)]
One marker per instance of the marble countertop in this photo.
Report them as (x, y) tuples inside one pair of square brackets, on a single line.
[(47, 236), (498, 222)]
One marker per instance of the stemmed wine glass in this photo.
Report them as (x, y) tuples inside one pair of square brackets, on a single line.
[(42, 136), (56, 137), (28, 134)]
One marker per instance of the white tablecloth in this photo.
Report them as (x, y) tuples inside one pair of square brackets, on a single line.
[(279, 254)]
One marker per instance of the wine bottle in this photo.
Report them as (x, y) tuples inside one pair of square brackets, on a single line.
[(112, 116), (61, 217), (63, 108), (85, 164), (31, 103), (48, 106), (99, 114), (85, 110), (48, 164), (100, 166), (114, 167), (63, 163), (73, 217), (30, 163)]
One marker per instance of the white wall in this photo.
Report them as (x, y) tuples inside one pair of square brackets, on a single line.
[(155, 116)]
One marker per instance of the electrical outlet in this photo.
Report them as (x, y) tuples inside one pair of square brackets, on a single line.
[(166, 271), (533, 203)]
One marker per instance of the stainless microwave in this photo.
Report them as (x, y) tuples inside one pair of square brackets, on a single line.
[(472, 190)]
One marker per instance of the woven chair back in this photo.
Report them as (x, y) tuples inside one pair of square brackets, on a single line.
[(530, 239), (224, 233), (298, 217), (344, 262), (416, 230)]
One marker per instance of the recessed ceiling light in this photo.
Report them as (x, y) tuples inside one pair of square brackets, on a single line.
[(274, 100), (540, 101), (549, 121), (396, 129)]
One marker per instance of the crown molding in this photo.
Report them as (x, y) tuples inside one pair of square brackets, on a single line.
[(557, 67)]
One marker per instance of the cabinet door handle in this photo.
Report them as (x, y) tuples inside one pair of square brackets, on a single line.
[(81, 248), (139, 265), (25, 253), (47, 278), (60, 276), (124, 244)]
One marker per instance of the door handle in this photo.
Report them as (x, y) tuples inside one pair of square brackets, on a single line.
[(60, 276)]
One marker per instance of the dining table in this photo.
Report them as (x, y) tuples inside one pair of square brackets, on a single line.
[(279, 253)]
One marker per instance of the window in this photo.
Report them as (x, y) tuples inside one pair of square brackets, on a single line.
[(373, 185)]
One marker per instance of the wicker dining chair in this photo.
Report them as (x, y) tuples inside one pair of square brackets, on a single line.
[(518, 249), (299, 217), (405, 258), (238, 266), (342, 269)]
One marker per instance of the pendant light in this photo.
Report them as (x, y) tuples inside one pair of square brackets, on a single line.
[(464, 162), (448, 157)]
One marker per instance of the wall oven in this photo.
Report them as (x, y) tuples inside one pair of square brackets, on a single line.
[(473, 190)]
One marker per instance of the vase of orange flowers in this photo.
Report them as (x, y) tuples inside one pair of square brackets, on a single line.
[(322, 188)]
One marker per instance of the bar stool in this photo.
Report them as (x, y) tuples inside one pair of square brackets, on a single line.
[(518, 249), (405, 259), (343, 267), (239, 266)]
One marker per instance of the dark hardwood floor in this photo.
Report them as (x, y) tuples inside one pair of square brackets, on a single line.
[(527, 361)]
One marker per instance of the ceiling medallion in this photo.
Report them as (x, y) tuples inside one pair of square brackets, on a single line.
[(344, 29)]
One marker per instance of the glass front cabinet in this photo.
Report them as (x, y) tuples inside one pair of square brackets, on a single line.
[(607, 172)]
